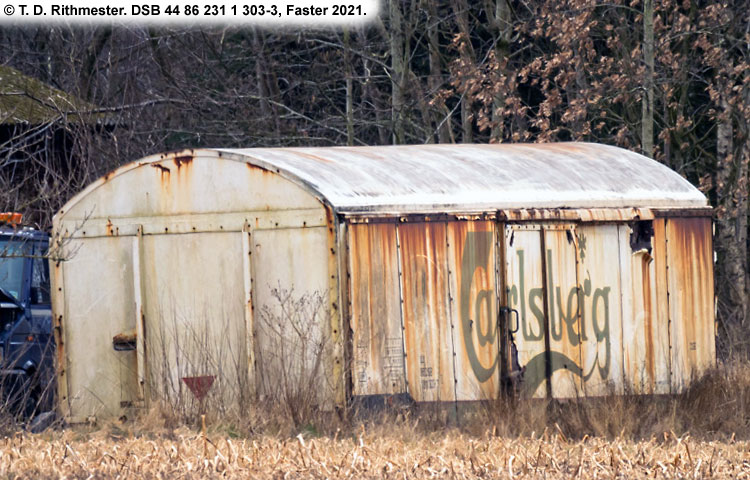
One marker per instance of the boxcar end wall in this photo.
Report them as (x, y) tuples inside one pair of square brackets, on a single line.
[(159, 281)]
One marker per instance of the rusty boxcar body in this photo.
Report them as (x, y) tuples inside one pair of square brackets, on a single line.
[(445, 268)]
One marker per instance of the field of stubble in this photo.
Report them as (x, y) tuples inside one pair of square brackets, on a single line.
[(451, 454), (702, 433)]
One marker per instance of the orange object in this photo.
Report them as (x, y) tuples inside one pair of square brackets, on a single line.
[(12, 218)]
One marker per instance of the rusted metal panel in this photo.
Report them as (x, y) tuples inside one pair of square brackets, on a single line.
[(587, 293), (600, 282), (645, 332), (57, 295), (249, 308), (691, 304), (706, 211), (343, 391), (293, 314), (426, 311), (633, 379), (377, 336), (473, 293), (561, 293), (336, 257), (98, 305), (475, 178), (194, 308), (526, 295), (198, 223), (532, 215), (574, 214)]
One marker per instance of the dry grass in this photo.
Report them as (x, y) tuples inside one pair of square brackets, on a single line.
[(379, 453), (704, 432)]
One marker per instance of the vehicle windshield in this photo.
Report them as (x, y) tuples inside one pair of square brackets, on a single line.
[(12, 252)]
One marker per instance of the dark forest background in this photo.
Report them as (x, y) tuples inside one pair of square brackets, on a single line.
[(669, 79)]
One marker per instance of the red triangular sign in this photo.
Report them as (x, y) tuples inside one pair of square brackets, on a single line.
[(199, 385)]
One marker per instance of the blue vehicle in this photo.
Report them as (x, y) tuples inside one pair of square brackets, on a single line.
[(26, 341)]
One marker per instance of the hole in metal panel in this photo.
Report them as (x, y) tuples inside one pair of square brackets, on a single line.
[(642, 235), (569, 234)]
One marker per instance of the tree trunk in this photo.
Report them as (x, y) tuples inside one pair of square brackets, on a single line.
[(349, 90), (441, 120), (647, 106), (500, 19), (744, 190), (88, 67), (732, 217), (268, 88), (398, 72), (461, 10)]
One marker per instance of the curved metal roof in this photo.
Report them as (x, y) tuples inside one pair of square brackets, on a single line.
[(468, 178), (452, 179)]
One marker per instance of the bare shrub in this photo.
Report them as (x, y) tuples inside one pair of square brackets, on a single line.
[(716, 404), (197, 344), (291, 390), (295, 348)]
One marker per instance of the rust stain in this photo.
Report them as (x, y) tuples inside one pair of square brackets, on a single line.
[(124, 337), (427, 334), (162, 168), (683, 212), (572, 214), (255, 168), (313, 157), (336, 324), (690, 282), (377, 339), (164, 173), (110, 230), (60, 344), (472, 265), (185, 160)]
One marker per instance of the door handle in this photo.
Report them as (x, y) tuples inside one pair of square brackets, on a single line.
[(507, 311)]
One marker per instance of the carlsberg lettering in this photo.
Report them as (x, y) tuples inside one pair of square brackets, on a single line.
[(564, 308)]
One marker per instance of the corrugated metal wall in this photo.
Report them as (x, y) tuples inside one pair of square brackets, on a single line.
[(376, 323), (646, 356), (526, 295), (691, 298), (471, 263), (443, 336), (427, 311), (599, 248), (600, 306)]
